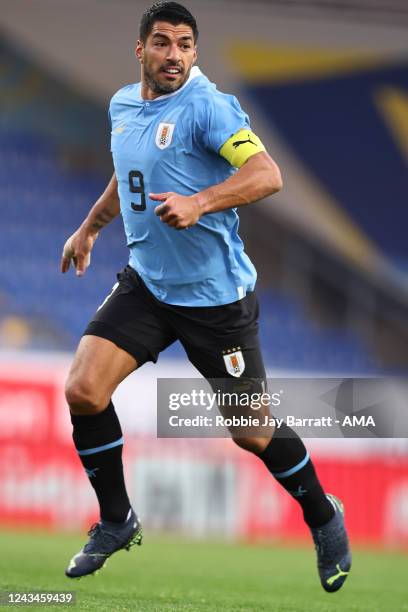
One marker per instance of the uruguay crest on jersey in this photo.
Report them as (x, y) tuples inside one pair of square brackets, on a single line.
[(164, 135)]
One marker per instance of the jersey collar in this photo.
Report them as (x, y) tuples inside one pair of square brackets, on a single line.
[(194, 73)]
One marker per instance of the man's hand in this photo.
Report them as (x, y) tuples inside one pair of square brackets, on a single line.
[(78, 248), (178, 211)]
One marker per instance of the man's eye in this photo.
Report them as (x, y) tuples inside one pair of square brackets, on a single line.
[(159, 44)]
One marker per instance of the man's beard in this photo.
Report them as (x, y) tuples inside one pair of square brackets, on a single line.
[(162, 88)]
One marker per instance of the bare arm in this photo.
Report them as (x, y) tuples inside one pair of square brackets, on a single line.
[(257, 178), (78, 246), (105, 209)]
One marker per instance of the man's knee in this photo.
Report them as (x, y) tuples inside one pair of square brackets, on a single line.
[(252, 444), (84, 397)]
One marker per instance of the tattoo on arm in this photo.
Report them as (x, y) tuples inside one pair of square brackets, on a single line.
[(102, 219)]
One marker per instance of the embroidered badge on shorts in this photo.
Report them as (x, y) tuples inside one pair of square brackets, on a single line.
[(164, 135), (234, 361)]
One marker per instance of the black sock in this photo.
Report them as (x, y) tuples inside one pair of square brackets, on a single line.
[(99, 442), (288, 461)]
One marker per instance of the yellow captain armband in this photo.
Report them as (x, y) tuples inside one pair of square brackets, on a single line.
[(240, 147)]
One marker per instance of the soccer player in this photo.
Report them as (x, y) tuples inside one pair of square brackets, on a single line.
[(184, 158)]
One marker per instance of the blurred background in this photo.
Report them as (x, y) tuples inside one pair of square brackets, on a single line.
[(326, 86)]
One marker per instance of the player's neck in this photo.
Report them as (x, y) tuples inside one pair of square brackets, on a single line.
[(147, 93)]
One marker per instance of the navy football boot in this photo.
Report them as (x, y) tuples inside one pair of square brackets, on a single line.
[(105, 539), (333, 549)]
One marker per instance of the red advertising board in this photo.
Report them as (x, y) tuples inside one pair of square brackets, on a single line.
[(42, 482)]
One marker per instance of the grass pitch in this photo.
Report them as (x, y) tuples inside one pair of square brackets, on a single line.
[(177, 575)]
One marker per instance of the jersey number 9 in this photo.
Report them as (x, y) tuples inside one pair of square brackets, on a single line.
[(137, 177)]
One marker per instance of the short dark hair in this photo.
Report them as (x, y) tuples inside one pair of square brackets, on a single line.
[(172, 12)]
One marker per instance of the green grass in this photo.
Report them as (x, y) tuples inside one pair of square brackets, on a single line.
[(171, 574)]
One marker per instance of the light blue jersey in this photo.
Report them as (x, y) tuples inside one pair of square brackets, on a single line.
[(171, 144)]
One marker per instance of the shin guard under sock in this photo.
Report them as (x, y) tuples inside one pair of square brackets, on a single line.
[(99, 442), (288, 461)]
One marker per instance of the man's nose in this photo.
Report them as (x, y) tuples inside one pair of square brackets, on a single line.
[(174, 53)]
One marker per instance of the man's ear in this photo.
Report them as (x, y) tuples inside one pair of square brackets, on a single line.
[(195, 55), (139, 50)]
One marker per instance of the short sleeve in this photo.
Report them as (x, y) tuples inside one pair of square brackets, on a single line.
[(225, 118)]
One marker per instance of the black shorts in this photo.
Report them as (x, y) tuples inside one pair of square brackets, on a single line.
[(220, 341)]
